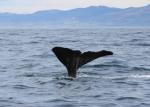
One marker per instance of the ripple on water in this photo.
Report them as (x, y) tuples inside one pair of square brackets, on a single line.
[(34, 42), (22, 87), (143, 105), (139, 69), (138, 33), (43, 55), (117, 65), (135, 40), (65, 105), (28, 66), (109, 105), (35, 74), (143, 44), (13, 34), (127, 83), (128, 99)]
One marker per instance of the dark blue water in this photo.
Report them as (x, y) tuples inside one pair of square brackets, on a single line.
[(31, 75)]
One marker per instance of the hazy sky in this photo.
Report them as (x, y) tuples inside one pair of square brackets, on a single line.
[(29, 6)]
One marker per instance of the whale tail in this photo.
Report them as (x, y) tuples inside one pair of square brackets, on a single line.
[(74, 59)]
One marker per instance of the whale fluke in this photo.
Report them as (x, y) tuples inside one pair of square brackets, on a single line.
[(74, 59)]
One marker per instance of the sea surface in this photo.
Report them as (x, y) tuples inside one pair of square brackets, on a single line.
[(31, 75)]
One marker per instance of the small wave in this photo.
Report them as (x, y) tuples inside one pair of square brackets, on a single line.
[(87, 89), (2, 33), (58, 100), (127, 98), (43, 55), (66, 105), (143, 44), (105, 65), (3, 100), (119, 78), (30, 43), (97, 96), (33, 42), (22, 87), (138, 33), (42, 82), (116, 44), (27, 66), (109, 105), (13, 34), (35, 74), (139, 69), (128, 83), (42, 37), (3, 86), (3, 70), (29, 75), (144, 104), (27, 60), (61, 83), (135, 40)]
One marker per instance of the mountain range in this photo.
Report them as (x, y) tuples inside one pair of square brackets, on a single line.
[(93, 16)]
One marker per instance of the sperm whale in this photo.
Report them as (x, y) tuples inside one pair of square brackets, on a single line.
[(74, 59)]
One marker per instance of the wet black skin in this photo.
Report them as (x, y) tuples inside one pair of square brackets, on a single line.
[(74, 59)]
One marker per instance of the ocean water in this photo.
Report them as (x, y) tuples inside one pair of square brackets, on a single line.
[(31, 75)]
